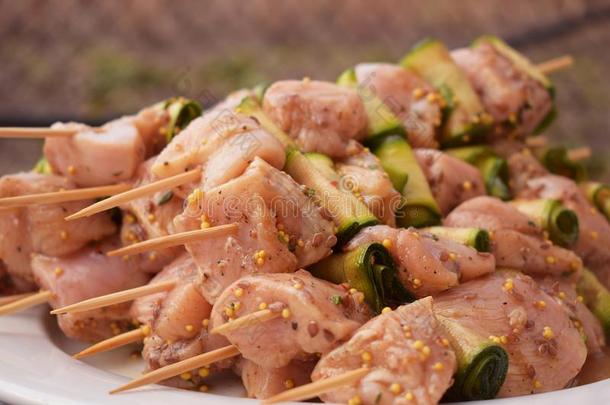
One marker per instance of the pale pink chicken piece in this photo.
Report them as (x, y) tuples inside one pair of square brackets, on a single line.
[(151, 217), (564, 293), (506, 92), (406, 95), (42, 228), (452, 181), (363, 175), (522, 167), (546, 350), (182, 268), (86, 274), (110, 154), (516, 241), (390, 342), (262, 383), (314, 316), (593, 245), (222, 147), (320, 116), (96, 157), (176, 320), (280, 228), (427, 264)]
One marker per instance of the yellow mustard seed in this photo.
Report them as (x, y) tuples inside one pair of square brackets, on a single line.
[(395, 388)]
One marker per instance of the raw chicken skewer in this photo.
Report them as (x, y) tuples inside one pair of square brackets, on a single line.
[(10, 298), (307, 302), (151, 244), (549, 66), (116, 298), (23, 132), (175, 239), (319, 387), (539, 360), (552, 65), (555, 64), (143, 191), (31, 300), (63, 196)]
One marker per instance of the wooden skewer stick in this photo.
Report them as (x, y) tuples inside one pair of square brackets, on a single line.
[(12, 132), (246, 321), (174, 240), (579, 154), (12, 298), (136, 193), (555, 64), (116, 298), (25, 303), (63, 196), (180, 367), (136, 335), (319, 387), (537, 141)]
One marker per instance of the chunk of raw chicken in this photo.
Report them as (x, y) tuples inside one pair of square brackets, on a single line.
[(321, 116), (406, 95), (363, 175), (593, 245), (178, 322), (545, 349), (507, 93), (151, 217), (86, 274), (95, 157), (427, 264), (516, 241), (522, 167), (452, 181), (314, 316), (42, 228), (262, 383), (280, 228), (182, 268), (565, 295), (408, 365), (222, 147)]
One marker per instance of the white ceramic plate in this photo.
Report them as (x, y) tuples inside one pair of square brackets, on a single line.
[(36, 368)]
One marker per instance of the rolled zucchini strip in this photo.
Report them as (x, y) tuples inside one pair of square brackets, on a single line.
[(493, 168), (419, 208), (466, 120), (557, 161), (598, 195), (369, 269), (596, 297), (381, 120), (181, 112), (349, 214), (324, 164), (387, 140), (559, 222), (476, 238), (482, 363)]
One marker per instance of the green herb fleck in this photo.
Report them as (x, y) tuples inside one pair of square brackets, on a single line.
[(336, 299)]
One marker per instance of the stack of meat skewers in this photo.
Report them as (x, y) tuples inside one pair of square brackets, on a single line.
[(396, 237)]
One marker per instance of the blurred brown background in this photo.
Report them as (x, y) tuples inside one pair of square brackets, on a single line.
[(91, 61)]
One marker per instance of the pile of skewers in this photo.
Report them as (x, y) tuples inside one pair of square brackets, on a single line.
[(397, 237)]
